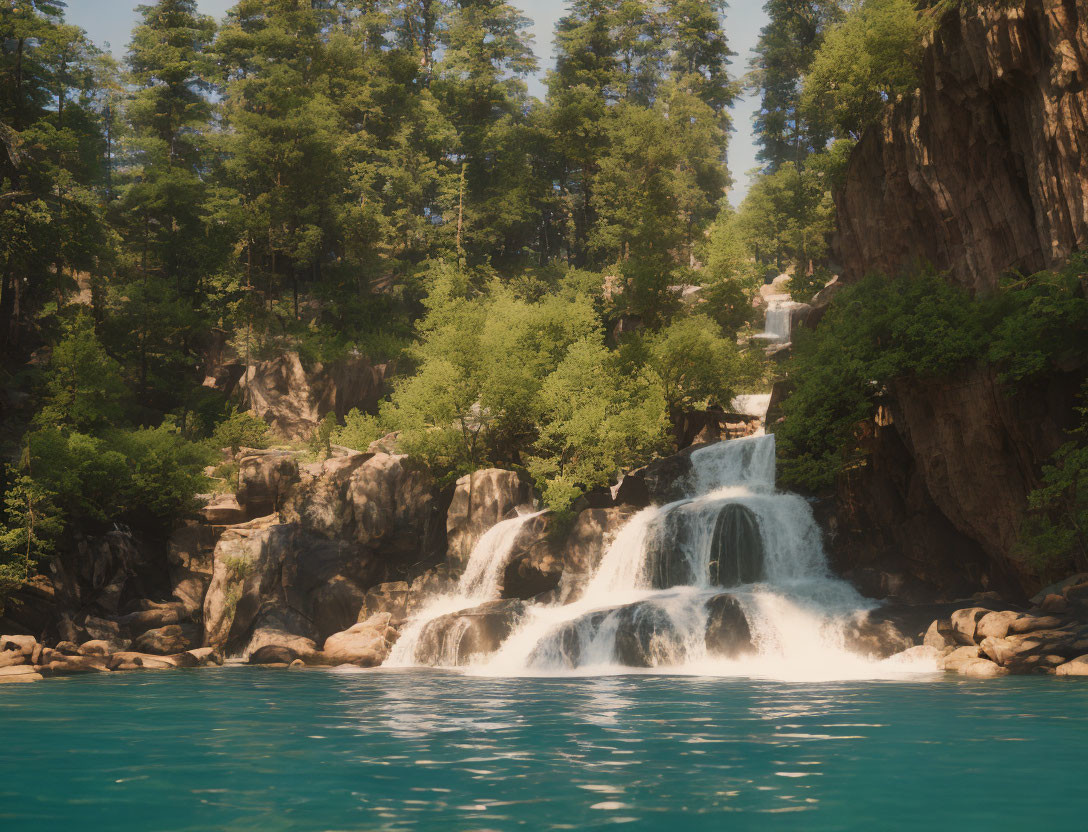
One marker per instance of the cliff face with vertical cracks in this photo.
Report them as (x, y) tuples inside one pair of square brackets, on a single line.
[(984, 169)]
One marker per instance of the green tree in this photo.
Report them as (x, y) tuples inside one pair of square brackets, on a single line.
[(84, 387), (864, 62)]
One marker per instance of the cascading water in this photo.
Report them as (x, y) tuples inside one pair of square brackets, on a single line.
[(731, 580), (478, 584), (777, 328)]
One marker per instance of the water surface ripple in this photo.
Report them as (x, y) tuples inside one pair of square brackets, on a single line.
[(245, 748)]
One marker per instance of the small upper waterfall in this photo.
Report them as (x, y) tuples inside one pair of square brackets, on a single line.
[(729, 580), (777, 328)]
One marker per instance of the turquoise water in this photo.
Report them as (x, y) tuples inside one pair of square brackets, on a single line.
[(244, 748)]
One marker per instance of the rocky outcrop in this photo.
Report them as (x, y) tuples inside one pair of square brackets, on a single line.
[(544, 561), (276, 584), (265, 478), (460, 637), (480, 500), (984, 168), (934, 508), (293, 399), (381, 501)]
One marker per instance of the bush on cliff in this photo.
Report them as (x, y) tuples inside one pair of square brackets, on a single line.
[(917, 325)]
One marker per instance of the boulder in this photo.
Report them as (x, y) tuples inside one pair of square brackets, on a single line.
[(1075, 667), (998, 650), (72, 665), (1031, 623), (12, 658), (995, 625), (1056, 604), (727, 632), (965, 623), (19, 673), (24, 645), (68, 647), (458, 638), (980, 669), (539, 562), (294, 398), (940, 635), (159, 615), (164, 641), (366, 644), (480, 500), (274, 654), (223, 510), (264, 480), (130, 660), (959, 656), (391, 598), (190, 553), (97, 647)]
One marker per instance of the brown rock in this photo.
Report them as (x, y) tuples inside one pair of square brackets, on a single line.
[(366, 644), (995, 624), (130, 660), (164, 641), (11, 658), (19, 673), (69, 647), (20, 644), (264, 480), (97, 647), (965, 623), (293, 399), (480, 500), (1030, 623), (1054, 604), (940, 635), (980, 669), (998, 650), (958, 657), (1075, 667)]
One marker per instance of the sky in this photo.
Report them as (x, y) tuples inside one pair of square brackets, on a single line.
[(111, 21)]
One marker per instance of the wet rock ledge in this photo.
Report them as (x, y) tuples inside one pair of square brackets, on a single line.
[(988, 638)]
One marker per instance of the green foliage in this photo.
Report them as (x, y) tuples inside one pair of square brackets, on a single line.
[(32, 524), (1054, 535), (1043, 322), (867, 60), (881, 329), (241, 429), (596, 421), (321, 439), (693, 366), (85, 389), (358, 431)]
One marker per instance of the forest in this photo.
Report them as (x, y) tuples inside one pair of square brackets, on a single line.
[(372, 178)]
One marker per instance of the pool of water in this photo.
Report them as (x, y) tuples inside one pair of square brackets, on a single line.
[(245, 748)]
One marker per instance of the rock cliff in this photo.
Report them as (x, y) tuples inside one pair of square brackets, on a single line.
[(985, 167), (983, 170)]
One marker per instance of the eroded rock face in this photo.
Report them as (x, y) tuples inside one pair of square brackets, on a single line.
[(480, 500), (380, 501), (293, 399), (459, 637), (264, 480), (984, 168), (366, 644), (543, 562)]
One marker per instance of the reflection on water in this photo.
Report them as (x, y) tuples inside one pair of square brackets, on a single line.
[(253, 748)]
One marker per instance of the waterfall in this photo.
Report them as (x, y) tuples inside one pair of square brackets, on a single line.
[(478, 584), (731, 579), (776, 329)]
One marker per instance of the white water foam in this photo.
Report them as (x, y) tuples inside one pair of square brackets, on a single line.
[(645, 609), (797, 612), (477, 584), (776, 329)]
